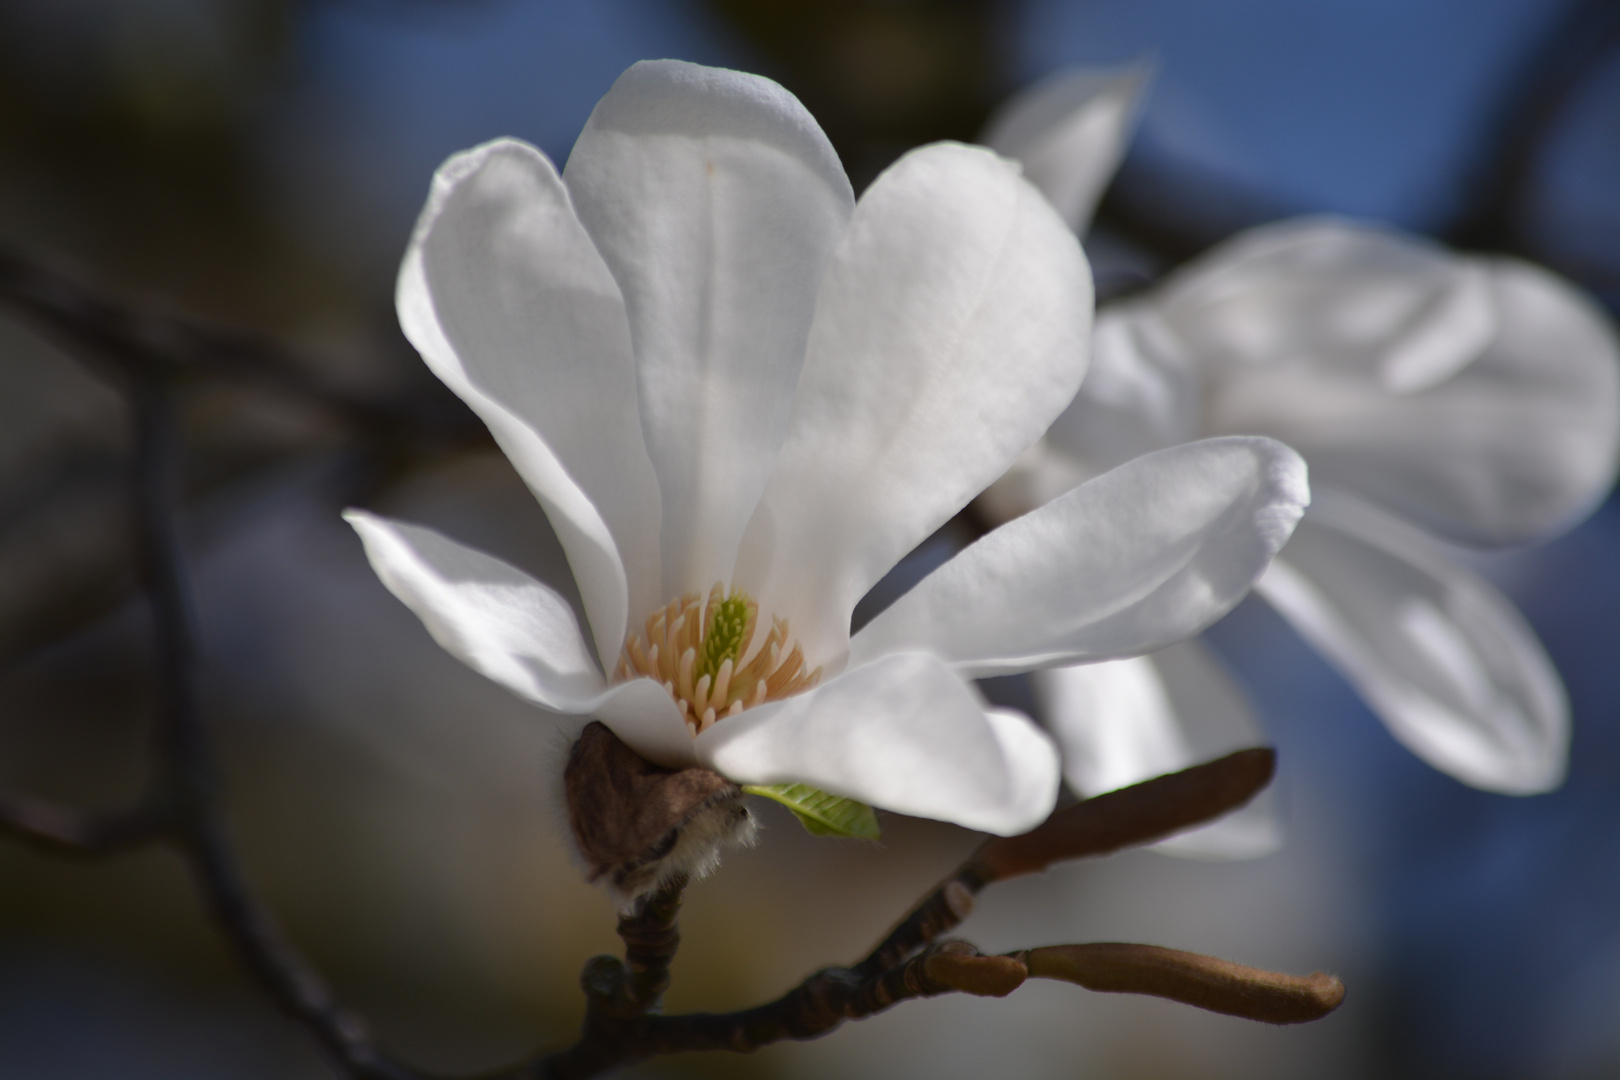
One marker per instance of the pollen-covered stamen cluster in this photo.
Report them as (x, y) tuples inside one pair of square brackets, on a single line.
[(701, 651)]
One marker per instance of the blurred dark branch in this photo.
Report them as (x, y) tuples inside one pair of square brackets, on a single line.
[(1581, 39), (188, 785), (880, 78), (1174, 211), (135, 340), (182, 804), (187, 789), (289, 979), (61, 831), (375, 436)]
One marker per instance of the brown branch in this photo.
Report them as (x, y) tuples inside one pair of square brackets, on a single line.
[(1128, 817), (1202, 981), (1131, 816), (942, 911), (620, 995), (957, 966), (650, 940), (831, 996), (910, 963), (812, 1009)]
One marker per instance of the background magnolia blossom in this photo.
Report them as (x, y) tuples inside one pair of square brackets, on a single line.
[(1435, 396)]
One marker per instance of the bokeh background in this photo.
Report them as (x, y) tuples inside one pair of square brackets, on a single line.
[(258, 163)]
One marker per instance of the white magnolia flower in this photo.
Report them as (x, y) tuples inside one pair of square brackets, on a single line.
[(741, 397), (1434, 395)]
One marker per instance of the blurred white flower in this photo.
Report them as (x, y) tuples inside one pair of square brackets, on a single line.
[(1475, 399), (741, 397)]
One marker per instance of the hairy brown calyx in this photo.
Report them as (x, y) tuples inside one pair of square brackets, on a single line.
[(637, 824)]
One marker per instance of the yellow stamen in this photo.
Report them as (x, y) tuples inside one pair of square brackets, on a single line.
[(688, 663), (722, 680), (702, 650)]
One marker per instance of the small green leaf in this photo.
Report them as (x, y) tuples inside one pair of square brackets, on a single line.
[(820, 813)]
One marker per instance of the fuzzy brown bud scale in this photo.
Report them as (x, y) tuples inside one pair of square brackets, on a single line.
[(638, 825)]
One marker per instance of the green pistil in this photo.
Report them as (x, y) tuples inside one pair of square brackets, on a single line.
[(724, 641)]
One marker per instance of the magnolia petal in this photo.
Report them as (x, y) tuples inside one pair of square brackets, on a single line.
[(1478, 397), (904, 734), (1217, 718), (509, 303), (1113, 723), (1125, 721), (487, 613), (1070, 132), (716, 201), (1142, 392), (1140, 557), (1036, 477), (1439, 654), (516, 631), (643, 714), (952, 326), (1331, 295)]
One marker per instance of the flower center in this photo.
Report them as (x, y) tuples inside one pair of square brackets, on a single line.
[(701, 652)]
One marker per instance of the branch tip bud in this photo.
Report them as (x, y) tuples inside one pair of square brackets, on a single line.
[(1201, 981)]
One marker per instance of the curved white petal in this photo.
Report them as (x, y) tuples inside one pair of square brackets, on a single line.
[(1113, 723), (511, 306), (1440, 655), (1142, 393), (1217, 718), (1070, 132), (716, 202), (1125, 721), (487, 613), (645, 716), (1036, 477), (1333, 295), (1140, 557), (952, 326), (904, 734), (516, 631), (1480, 397)]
